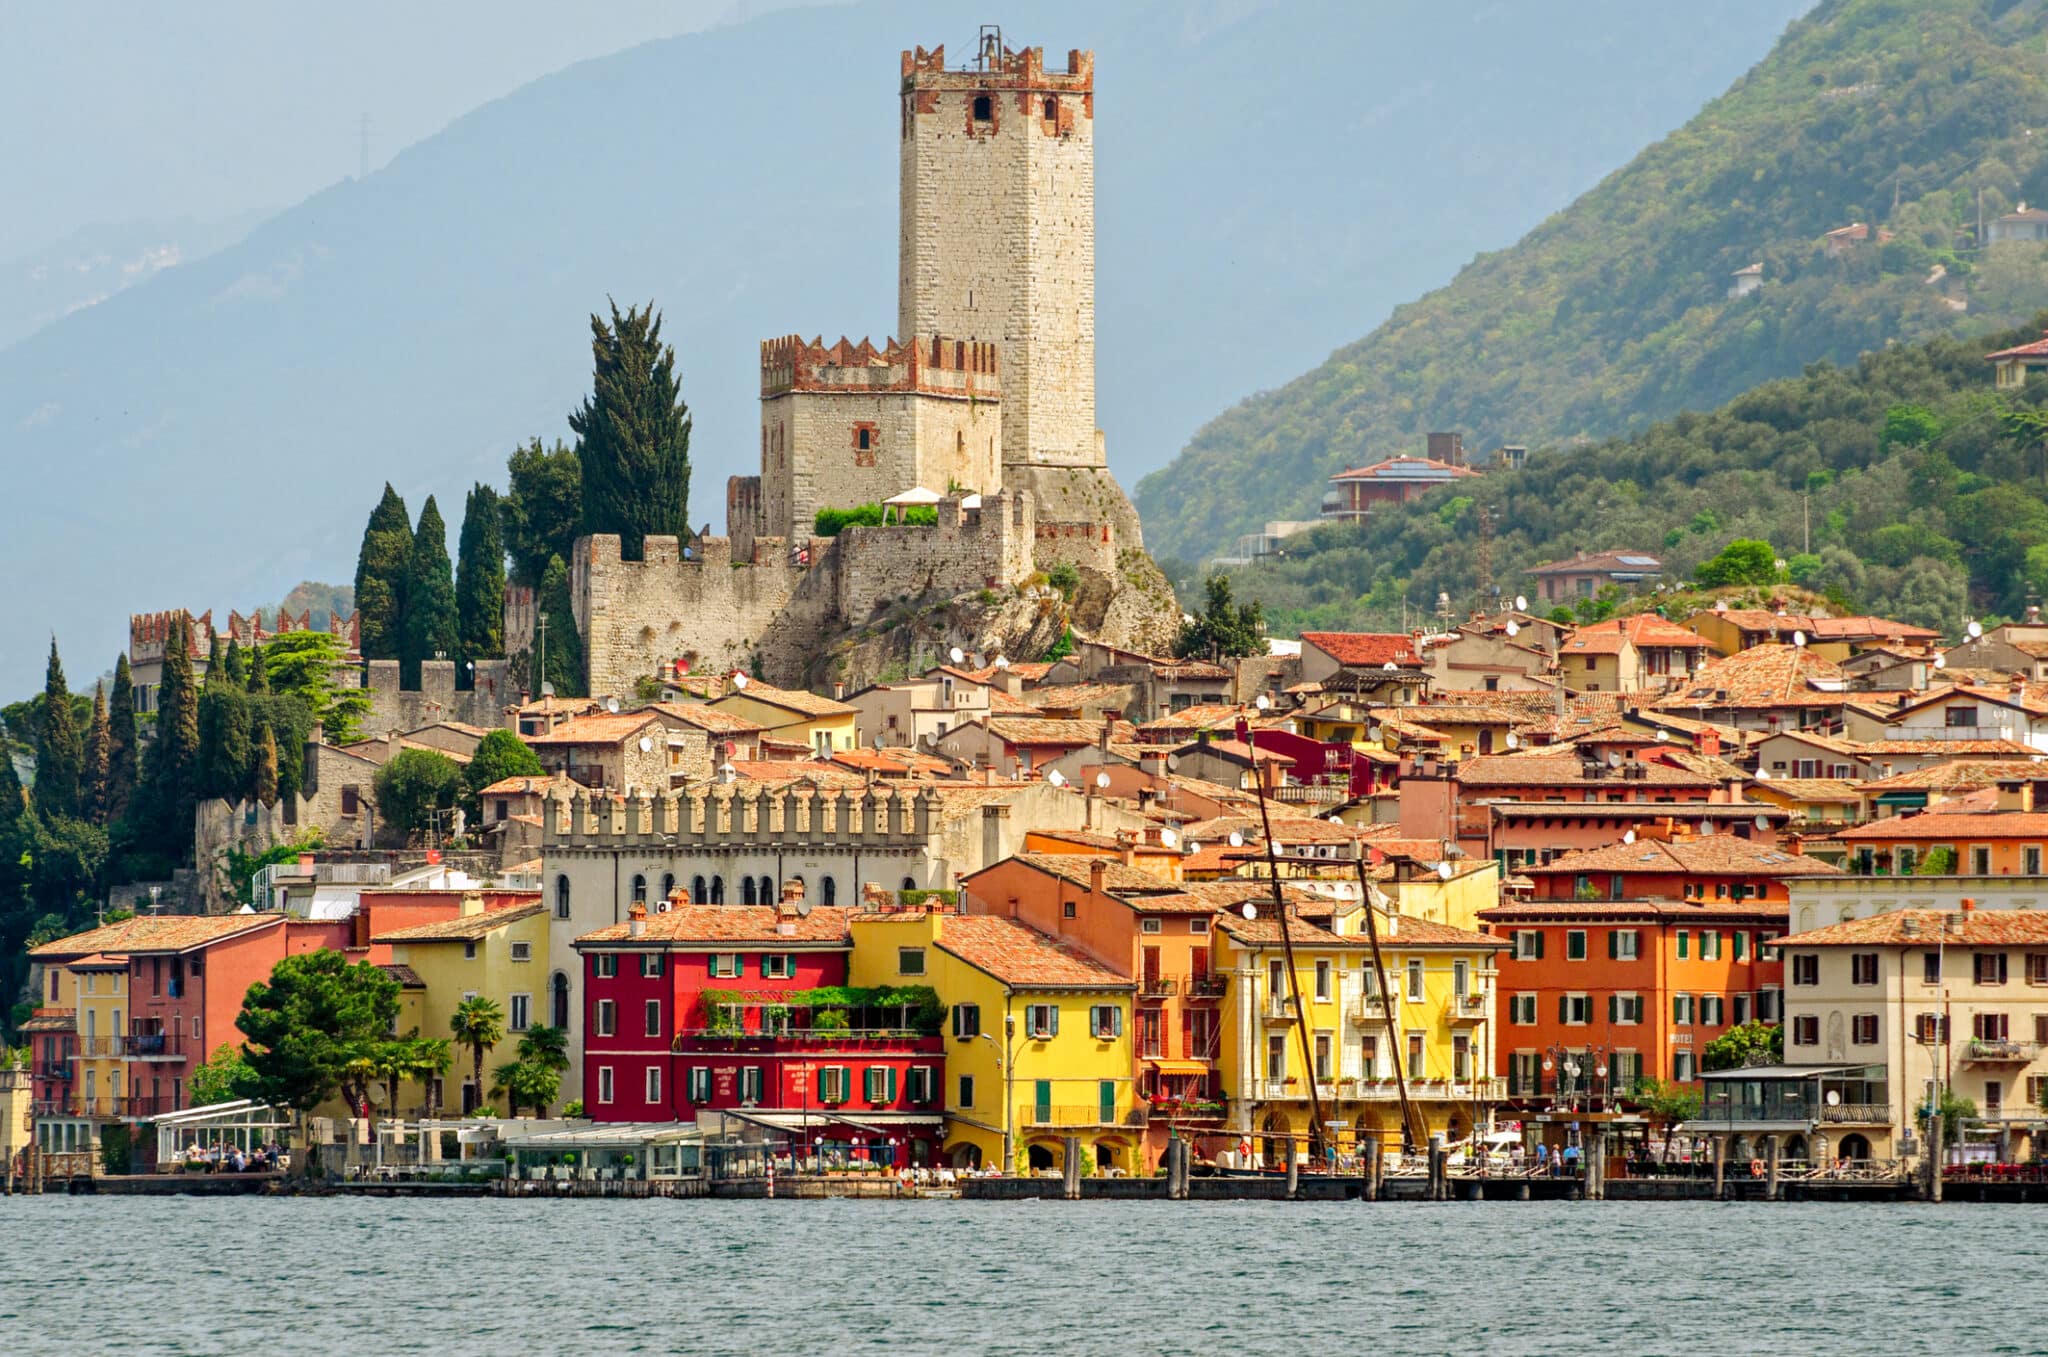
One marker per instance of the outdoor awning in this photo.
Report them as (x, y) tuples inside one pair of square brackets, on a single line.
[(1902, 798), (1179, 1066), (866, 1121), (916, 494)]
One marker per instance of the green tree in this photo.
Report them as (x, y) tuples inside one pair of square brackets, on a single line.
[(226, 744), (123, 747), (564, 646), (480, 580), (308, 665), (1936, 861), (413, 785), (633, 433), (477, 1025), (171, 766), (499, 755), (382, 565), (542, 508), (1955, 1109), (303, 1026), (525, 1084), (1743, 561), (264, 785), (1224, 630), (1753, 1043), (99, 739), (60, 747), (430, 615), (221, 1079), (1667, 1104), (1910, 426)]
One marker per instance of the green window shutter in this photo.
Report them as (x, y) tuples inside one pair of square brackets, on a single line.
[(1052, 1018), (1563, 1008), (891, 1096), (1539, 944), (1613, 1006), (1613, 945), (1108, 1096)]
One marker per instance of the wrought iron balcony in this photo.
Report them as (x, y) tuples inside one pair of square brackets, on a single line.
[(1206, 986), (155, 1046), (1157, 987), (1997, 1051)]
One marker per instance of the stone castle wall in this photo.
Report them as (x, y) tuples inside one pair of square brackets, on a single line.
[(997, 234), (397, 708), (986, 548), (640, 617)]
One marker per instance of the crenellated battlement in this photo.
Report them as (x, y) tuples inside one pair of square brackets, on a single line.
[(394, 707), (933, 365), (1010, 69), (738, 817)]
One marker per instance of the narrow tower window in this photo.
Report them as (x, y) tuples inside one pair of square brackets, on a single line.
[(1052, 110), (984, 109)]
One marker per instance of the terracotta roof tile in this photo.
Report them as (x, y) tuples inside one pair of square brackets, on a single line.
[(1959, 773), (1364, 647), (1939, 824), (791, 699), (1022, 956), (714, 720), (464, 927), (720, 925), (1711, 855), (1541, 770), (156, 933), (607, 728), (1078, 868), (1923, 927)]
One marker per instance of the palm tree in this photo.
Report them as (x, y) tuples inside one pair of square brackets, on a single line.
[(430, 1059), (356, 1075), (547, 1047), (479, 1024), (509, 1079), (392, 1061)]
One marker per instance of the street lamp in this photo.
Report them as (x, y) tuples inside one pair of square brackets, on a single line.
[(1006, 1059)]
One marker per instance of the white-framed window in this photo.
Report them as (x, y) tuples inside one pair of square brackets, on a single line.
[(778, 966), (522, 951), (1713, 1010), (1625, 1009), (1522, 1010), (1710, 944), (910, 961), (1806, 968), (607, 1017), (1574, 1010), (1575, 944), (604, 965), (725, 965), (1041, 1021), (750, 1083), (654, 1083), (1528, 944), (520, 1015), (650, 965), (834, 1083), (1415, 980), (967, 1020), (1150, 925), (1105, 1021), (604, 1083), (700, 1084), (1805, 1029), (1863, 1029), (917, 1085), (654, 1017), (1623, 944), (878, 1083), (1682, 1066), (1323, 980)]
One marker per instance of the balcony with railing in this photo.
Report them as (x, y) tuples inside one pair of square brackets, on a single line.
[(1157, 987), (99, 1048), (1467, 1008), (1857, 1114), (155, 1046), (1206, 986), (1370, 1009), (1281, 1008), (1998, 1051), (1054, 1116)]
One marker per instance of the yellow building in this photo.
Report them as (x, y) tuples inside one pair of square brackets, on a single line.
[(499, 954), (792, 716), (100, 984), (1039, 1037), (1439, 982), (1450, 893)]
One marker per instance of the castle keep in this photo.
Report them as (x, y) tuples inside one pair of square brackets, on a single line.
[(986, 398)]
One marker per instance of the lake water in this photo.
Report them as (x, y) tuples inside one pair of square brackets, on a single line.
[(359, 1278)]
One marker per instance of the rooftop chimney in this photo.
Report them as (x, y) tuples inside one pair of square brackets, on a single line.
[(636, 921), (1097, 871)]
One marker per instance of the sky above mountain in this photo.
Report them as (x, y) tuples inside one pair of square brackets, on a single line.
[(1272, 178)]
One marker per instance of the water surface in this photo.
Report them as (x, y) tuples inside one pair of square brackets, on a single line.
[(358, 1278)]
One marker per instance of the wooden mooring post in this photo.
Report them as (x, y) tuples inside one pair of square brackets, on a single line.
[(1375, 1166), (1070, 1163), (1720, 1168)]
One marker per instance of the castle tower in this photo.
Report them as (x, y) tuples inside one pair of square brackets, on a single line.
[(998, 233)]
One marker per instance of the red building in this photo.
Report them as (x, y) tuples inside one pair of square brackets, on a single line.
[(719, 1009), (1354, 494)]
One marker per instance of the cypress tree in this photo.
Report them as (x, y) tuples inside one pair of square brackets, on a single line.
[(225, 750), (634, 433), (430, 623), (236, 663), (258, 682), (382, 566), (173, 762), (565, 647), (542, 510), (60, 747), (266, 765), (121, 743), (480, 579), (99, 743)]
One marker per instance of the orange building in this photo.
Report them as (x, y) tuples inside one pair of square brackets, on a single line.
[(1632, 957), (1993, 843), (1157, 933)]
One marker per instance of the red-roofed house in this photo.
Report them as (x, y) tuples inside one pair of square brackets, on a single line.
[(1354, 494), (2011, 367), (1324, 653), (1586, 574)]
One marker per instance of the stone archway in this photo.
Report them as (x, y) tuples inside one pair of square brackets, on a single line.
[(1039, 1158), (1855, 1146), (965, 1156), (1795, 1147)]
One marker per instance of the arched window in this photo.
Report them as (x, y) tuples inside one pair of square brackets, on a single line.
[(558, 1009), (767, 888), (831, 890), (698, 893), (1052, 110), (639, 889), (910, 883), (668, 885), (717, 890), (561, 897), (747, 891)]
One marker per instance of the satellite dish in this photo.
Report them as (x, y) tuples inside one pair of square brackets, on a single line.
[(1629, 837), (878, 743), (1613, 760), (976, 660), (1251, 911), (1194, 847), (1236, 839), (1514, 741), (1799, 639), (1443, 871), (1763, 821), (547, 690), (1763, 775), (1975, 629), (739, 681), (1707, 827), (1662, 736), (1521, 604), (646, 745), (1720, 605), (611, 704), (1835, 1097), (1002, 661), (1390, 666), (956, 654), (1372, 732), (729, 748), (1941, 661), (1056, 778), (803, 909), (1167, 838), (1173, 763), (1102, 781), (1513, 628)]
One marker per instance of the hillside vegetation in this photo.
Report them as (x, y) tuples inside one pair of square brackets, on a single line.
[(1615, 311), (1902, 485)]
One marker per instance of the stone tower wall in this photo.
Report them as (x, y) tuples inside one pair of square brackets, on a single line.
[(638, 617), (997, 234)]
